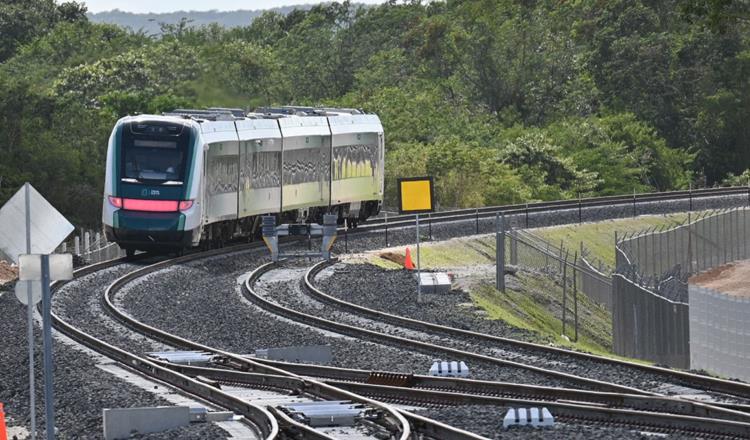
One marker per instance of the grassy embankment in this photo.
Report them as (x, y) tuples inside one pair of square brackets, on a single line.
[(533, 301)]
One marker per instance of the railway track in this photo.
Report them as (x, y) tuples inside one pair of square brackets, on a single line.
[(269, 422), (713, 384), (615, 393), (527, 210)]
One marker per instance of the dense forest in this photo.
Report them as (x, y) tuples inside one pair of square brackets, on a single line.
[(501, 100)]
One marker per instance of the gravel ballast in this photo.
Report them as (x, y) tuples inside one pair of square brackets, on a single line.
[(394, 291), (81, 389)]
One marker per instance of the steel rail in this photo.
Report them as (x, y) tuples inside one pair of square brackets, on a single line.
[(425, 425), (394, 417), (316, 321), (704, 382), (562, 405), (338, 376), (263, 422), (588, 202)]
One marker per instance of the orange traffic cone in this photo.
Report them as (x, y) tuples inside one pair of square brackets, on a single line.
[(3, 431), (408, 265)]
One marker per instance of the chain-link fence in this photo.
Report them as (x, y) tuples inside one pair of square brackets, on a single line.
[(651, 317), (525, 251)]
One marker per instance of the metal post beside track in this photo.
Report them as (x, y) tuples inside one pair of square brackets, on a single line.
[(47, 341), (575, 295), (419, 276), (565, 288), (429, 224), (386, 229), (500, 252)]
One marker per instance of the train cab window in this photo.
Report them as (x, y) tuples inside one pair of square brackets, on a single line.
[(154, 158)]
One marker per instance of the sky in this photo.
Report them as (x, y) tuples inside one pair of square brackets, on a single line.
[(194, 5)]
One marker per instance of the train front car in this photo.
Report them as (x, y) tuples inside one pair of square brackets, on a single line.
[(151, 188)]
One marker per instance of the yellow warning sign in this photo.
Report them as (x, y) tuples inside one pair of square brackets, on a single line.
[(415, 195)]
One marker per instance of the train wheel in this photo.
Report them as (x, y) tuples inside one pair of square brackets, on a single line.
[(129, 253)]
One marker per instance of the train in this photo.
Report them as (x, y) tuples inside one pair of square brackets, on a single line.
[(199, 178)]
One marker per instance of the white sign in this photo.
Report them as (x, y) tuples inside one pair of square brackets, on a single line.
[(22, 292), (48, 227), (60, 267)]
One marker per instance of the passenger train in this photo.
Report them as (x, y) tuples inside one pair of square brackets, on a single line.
[(201, 177)]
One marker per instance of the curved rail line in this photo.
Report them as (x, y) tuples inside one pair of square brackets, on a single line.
[(514, 390), (587, 412), (561, 205), (259, 418), (703, 382), (267, 424), (395, 418), (564, 408)]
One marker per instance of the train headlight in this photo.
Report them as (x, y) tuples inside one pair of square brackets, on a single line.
[(115, 201), (185, 205)]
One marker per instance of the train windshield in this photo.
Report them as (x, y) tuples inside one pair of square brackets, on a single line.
[(154, 158)]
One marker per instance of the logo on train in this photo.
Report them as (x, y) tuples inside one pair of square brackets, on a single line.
[(149, 192)]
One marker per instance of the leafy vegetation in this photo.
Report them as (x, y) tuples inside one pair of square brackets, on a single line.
[(500, 100)]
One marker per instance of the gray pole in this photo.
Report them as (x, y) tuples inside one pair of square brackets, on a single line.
[(565, 287), (419, 276), (500, 253), (49, 404), (30, 318), (575, 294)]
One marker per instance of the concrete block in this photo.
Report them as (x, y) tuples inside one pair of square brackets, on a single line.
[(437, 282), (532, 416), (449, 369), (120, 423)]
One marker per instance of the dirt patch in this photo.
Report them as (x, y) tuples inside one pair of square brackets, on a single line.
[(732, 279), (395, 257), (8, 273)]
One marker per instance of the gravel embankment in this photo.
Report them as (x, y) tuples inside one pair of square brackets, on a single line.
[(290, 294), (220, 317), (394, 291), (81, 389)]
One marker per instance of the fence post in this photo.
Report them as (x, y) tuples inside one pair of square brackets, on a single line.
[(565, 288), (575, 295), (580, 217), (500, 253), (744, 233), (477, 219), (691, 196), (690, 245), (633, 202), (724, 224), (429, 224), (86, 241), (527, 211), (561, 256), (661, 255), (77, 245), (386, 229), (513, 247)]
